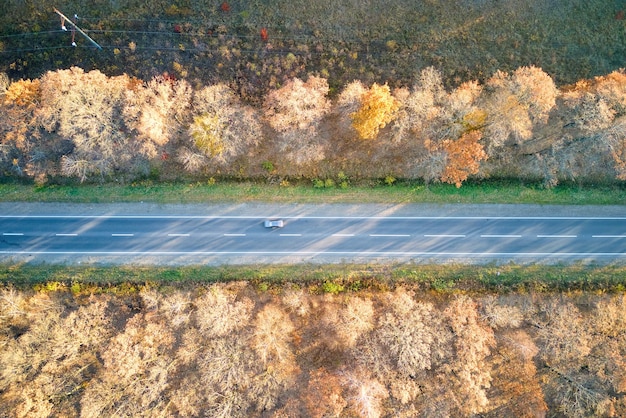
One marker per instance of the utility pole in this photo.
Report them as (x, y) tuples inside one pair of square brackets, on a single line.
[(72, 24)]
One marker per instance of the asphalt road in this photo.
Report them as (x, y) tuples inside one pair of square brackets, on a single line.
[(166, 239)]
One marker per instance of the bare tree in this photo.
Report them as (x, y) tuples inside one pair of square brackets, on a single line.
[(86, 109), (295, 112), (516, 103), (222, 128)]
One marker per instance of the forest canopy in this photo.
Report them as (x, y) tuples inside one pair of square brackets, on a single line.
[(233, 350), (86, 125)]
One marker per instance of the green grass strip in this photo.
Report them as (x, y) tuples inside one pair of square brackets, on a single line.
[(485, 192), (334, 278)]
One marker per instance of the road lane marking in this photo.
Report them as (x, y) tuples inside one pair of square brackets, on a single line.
[(66, 235), (389, 235), (234, 235), (438, 218), (122, 235), (500, 236), (316, 253), (444, 235), (343, 235), (290, 235), (608, 236), (557, 236), (177, 235), (12, 234)]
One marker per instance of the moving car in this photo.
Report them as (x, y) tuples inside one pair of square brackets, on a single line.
[(274, 223)]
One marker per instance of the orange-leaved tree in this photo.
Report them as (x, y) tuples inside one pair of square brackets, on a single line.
[(463, 157), (378, 107), (20, 152)]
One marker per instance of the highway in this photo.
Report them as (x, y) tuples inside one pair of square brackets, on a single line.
[(157, 239)]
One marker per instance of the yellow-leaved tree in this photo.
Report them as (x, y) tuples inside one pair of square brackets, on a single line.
[(222, 130), (378, 108)]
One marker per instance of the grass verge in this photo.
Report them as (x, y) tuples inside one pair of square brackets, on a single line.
[(324, 278), (482, 192)]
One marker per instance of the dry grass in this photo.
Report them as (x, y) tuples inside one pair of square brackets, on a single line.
[(351, 39)]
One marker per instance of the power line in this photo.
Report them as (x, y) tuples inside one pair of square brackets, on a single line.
[(72, 24)]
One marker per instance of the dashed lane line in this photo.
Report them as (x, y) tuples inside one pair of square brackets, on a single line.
[(500, 236), (444, 236), (389, 235)]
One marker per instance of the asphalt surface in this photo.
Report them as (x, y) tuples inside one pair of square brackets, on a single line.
[(229, 234)]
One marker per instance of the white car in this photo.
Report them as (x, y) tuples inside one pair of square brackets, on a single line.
[(274, 223)]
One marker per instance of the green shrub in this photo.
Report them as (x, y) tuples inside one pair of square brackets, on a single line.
[(390, 180), (332, 287), (268, 166)]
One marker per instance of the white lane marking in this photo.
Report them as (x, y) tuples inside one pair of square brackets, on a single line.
[(343, 235), (600, 218), (122, 235), (557, 236), (66, 235), (608, 236), (355, 253), (500, 236), (444, 236), (290, 235), (234, 235), (12, 234), (177, 235), (389, 235)]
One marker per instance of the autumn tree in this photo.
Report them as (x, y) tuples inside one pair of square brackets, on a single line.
[(23, 92), (86, 108), (137, 365), (376, 109), (407, 333), (323, 396), (344, 320), (597, 108), (295, 111), (420, 107), (515, 388), (574, 386), (156, 112), (220, 311), (348, 102), (428, 112), (222, 129), (21, 151), (468, 371), (463, 158), (45, 368), (516, 103), (221, 371), (366, 394), (440, 130)]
